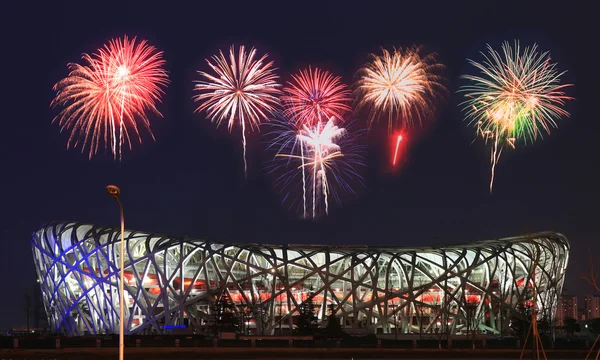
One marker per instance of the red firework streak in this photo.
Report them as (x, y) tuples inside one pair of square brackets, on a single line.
[(396, 149)]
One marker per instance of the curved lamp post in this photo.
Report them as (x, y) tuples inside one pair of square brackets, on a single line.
[(115, 192)]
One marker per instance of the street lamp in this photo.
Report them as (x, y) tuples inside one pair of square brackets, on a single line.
[(115, 192)]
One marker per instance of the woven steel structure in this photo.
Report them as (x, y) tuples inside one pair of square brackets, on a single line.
[(173, 281)]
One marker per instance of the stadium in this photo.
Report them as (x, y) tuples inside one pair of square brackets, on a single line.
[(171, 282)]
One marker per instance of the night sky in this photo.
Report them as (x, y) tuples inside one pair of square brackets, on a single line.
[(191, 182)]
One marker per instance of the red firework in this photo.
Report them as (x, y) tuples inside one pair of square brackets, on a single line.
[(315, 96), (398, 139), (108, 97)]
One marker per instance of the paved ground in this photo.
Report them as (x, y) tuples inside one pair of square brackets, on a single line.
[(276, 353)]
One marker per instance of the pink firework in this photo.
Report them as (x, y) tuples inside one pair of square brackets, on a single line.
[(107, 98), (241, 91), (315, 96)]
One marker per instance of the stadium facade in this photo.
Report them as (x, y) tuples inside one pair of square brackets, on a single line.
[(446, 289)]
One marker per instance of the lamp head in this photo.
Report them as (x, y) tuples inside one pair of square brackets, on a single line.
[(113, 191)]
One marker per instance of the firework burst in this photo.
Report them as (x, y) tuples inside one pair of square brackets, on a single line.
[(402, 85), (517, 97), (108, 97), (243, 90), (322, 159), (315, 96)]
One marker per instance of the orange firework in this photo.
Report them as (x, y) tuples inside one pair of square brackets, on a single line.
[(108, 97), (401, 85)]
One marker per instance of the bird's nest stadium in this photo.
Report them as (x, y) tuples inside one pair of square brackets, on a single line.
[(172, 281)]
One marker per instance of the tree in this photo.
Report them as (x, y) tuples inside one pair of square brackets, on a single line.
[(571, 326), (419, 306), (334, 329), (521, 316), (470, 308), (546, 322), (595, 326), (593, 278), (497, 312), (224, 316), (307, 320), (441, 306), (27, 309), (544, 326), (471, 318)]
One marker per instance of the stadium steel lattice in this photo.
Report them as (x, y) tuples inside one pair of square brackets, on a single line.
[(428, 289)]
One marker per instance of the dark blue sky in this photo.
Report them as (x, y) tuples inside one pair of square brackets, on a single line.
[(190, 181)]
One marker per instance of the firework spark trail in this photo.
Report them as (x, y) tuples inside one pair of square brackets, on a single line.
[(494, 157), (121, 126), (119, 83), (304, 214), (319, 141), (324, 153), (516, 97), (402, 84), (311, 97), (315, 96), (314, 185), (398, 140), (243, 90)]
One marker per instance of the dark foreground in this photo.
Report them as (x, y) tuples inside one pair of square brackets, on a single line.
[(281, 353)]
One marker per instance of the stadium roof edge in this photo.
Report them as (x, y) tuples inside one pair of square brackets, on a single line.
[(474, 244)]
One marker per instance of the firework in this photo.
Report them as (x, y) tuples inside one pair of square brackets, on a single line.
[(322, 159), (402, 85), (396, 149), (107, 97), (517, 97), (243, 90), (315, 96)]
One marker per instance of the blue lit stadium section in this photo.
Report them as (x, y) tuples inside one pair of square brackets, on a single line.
[(171, 282)]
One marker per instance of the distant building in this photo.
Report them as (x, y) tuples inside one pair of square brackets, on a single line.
[(591, 305), (40, 320), (567, 308)]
